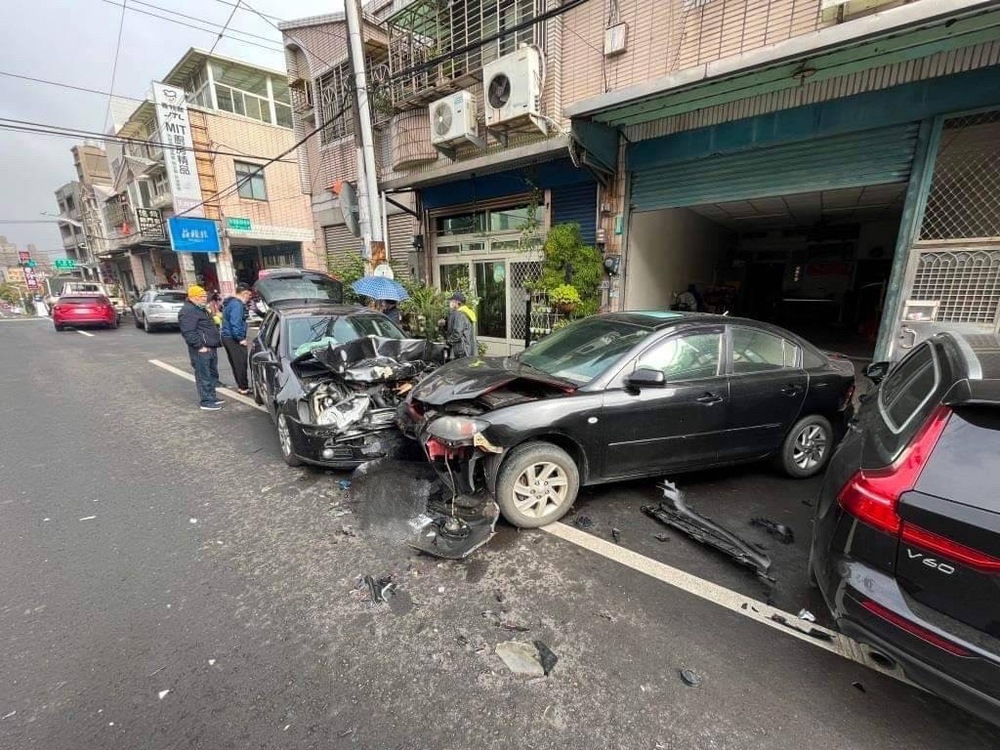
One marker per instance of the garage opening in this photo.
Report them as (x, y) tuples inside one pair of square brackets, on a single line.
[(816, 263)]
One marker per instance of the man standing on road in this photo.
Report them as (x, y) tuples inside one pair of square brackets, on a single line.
[(461, 328), (202, 338), (234, 335)]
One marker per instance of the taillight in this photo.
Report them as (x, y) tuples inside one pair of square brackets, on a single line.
[(872, 495), (931, 542), (847, 397)]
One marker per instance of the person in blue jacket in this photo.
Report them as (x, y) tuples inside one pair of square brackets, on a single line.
[(234, 335)]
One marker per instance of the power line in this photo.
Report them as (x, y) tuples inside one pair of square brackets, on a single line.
[(192, 26), (267, 19), (204, 21), (114, 65), (23, 126), (244, 6), (221, 33)]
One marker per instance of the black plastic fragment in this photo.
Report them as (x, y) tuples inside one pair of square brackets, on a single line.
[(616, 534), (859, 686), (379, 589), (673, 511), (547, 657), (690, 677), (783, 533), (583, 522), (661, 537)]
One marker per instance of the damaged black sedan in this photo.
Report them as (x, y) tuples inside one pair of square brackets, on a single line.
[(625, 396), (332, 376)]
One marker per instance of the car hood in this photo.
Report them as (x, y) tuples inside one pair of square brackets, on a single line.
[(467, 379), (374, 359)]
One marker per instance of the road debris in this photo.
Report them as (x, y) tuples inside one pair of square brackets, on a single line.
[(163, 694), (7, 716), (673, 511), (805, 614), (661, 537), (606, 615), (192, 520), (820, 635), (378, 589), (547, 657), (344, 484), (616, 534), (583, 522), (690, 677), (520, 658), (88, 518), (780, 531), (859, 686), (348, 531)]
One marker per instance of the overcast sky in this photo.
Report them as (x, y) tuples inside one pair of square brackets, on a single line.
[(73, 41)]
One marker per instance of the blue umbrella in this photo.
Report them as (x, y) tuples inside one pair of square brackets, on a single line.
[(379, 287)]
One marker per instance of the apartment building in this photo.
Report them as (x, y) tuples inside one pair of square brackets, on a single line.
[(204, 141), (71, 229), (830, 165)]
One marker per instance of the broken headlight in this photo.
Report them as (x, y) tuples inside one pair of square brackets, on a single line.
[(342, 415), (456, 429)]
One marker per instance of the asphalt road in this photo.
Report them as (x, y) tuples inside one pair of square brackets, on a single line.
[(147, 547)]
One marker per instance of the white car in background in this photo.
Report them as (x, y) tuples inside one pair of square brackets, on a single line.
[(158, 308)]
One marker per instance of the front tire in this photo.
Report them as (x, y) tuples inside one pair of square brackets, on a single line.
[(536, 485), (285, 441), (145, 324), (138, 323), (807, 447)]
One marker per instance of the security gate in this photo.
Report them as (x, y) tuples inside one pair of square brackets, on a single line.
[(953, 279)]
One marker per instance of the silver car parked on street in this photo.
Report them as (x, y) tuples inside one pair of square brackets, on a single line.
[(158, 308)]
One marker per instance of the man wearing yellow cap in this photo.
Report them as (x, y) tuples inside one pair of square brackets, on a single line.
[(203, 341)]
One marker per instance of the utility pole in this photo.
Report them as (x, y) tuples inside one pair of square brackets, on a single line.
[(369, 213)]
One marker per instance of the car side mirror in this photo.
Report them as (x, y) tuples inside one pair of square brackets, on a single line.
[(877, 371), (646, 377), (263, 358)]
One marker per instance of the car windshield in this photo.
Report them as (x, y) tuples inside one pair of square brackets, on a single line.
[(582, 351), (299, 286), (170, 297), (316, 331)]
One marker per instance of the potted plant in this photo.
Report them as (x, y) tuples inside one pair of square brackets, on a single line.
[(564, 297)]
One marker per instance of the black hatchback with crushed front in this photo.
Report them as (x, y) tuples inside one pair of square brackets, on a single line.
[(906, 542)]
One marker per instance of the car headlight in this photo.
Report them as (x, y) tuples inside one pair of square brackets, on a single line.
[(344, 414), (456, 429)]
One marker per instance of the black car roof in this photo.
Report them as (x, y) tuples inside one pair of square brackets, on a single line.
[(975, 358)]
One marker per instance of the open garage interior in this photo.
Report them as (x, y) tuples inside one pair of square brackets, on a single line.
[(817, 263)]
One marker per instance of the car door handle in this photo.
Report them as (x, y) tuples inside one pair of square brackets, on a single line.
[(709, 398), (791, 390)]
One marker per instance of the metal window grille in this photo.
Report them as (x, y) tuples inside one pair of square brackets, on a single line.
[(966, 283), (333, 92), (428, 29), (964, 199), (521, 273)]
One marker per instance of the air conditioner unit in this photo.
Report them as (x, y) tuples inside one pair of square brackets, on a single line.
[(453, 119), (512, 86)]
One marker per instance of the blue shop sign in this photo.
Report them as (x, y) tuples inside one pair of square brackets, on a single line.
[(194, 235)]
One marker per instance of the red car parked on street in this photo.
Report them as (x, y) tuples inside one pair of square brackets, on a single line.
[(84, 310)]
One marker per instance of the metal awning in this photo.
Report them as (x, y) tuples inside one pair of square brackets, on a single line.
[(904, 33)]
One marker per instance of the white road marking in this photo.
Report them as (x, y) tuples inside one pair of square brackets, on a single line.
[(86, 333), (224, 391), (734, 601)]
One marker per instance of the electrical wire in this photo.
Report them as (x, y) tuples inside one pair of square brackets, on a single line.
[(266, 19), (192, 26), (244, 6), (221, 33), (114, 65), (205, 21), (24, 126)]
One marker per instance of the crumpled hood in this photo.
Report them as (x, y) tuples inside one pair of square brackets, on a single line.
[(372, 358), (466, 379)]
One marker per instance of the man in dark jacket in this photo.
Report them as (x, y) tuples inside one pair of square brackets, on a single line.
[(203, 341), (461, 328), (234, 335)]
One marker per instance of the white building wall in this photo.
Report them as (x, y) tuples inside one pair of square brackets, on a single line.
[(667, 250)]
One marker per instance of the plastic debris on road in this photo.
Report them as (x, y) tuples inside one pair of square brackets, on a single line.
[(805, 614), (163, 694), (780, 531), (690, 677), (547, 657), (378, 589), (520, 658)]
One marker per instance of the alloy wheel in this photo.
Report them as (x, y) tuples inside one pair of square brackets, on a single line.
[(810, 447), (284, 436), (540, 488)]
